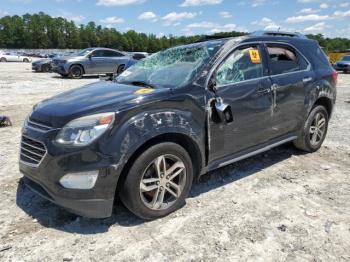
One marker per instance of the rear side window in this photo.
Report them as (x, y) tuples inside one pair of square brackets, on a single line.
[(243, 64), (109, 53), (284, 60)]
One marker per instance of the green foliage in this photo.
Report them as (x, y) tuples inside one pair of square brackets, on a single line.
[(40, 31), (331, 44)]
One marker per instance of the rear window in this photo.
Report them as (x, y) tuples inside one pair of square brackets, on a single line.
[(284, 59), (315, 55), (110, 53)]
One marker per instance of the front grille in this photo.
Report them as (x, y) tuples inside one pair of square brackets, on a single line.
[(38, 125), (32, 151)]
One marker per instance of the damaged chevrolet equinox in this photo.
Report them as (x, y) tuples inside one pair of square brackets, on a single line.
[(177, 114)]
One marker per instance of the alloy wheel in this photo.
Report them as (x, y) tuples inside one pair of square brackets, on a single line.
[(76, 72), (163, 182), (317, 129)]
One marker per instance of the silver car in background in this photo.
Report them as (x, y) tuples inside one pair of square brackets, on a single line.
[(14, 57), (92, 61)]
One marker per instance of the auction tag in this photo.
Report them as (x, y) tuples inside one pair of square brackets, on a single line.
[(143, 91), (254, 56)]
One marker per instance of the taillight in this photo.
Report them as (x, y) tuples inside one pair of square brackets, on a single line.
[(335, 77)]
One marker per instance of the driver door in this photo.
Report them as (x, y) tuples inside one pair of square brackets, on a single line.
[(242, 84), (97, 62)]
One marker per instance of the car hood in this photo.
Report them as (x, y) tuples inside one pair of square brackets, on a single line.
[(42, 61), (66, 57), (103, 96)]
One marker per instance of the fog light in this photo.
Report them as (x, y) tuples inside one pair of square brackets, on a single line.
[(83, 180)]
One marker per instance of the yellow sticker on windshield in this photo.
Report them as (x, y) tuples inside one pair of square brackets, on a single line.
[(143, 91), (254, 56)]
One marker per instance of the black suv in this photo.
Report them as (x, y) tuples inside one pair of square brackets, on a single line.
[(172, 117)]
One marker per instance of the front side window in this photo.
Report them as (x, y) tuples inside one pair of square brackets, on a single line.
[(98, 53), (284, 60), (243, 64), (83, 52)]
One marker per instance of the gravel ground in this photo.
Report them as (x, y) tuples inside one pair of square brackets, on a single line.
[(279, 206)]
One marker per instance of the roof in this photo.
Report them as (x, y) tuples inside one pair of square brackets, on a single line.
[(261, 36)]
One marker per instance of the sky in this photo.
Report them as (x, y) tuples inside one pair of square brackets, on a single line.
[(188, 17)]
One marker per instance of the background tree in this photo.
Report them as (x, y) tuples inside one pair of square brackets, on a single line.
[(40, 31)]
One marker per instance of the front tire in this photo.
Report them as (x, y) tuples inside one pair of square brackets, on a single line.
[(314, 130), (3, 60), (158, 182), (26, 60), (45, 68), (76, 72)]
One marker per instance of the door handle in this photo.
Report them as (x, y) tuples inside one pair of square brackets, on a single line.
[(274, 88), (307, 79), (263, 90)]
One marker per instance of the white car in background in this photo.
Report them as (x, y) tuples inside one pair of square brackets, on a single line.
[(14, 57)]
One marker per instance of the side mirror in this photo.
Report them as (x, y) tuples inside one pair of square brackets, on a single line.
[(90, 56), (223, 111)]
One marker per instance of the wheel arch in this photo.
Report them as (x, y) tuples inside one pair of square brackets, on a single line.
[(326, 102), (181, 139)]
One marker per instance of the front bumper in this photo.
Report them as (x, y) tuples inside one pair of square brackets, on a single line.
[(36, 67), (60, 69), (44, 178)]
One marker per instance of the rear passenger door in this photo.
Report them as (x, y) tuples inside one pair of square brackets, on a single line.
[(290, 74), (113, 60)]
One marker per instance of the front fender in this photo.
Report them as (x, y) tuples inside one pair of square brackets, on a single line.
[(136, 131)]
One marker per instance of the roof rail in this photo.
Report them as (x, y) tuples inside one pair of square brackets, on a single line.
[(210, 37), (279, 33)]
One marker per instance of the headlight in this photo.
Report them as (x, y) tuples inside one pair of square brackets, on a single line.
[(82, 131)]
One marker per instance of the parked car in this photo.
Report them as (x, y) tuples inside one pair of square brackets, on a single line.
[(43, 65), (172, 117), (91, 61), (139, 55), (343, 64), (14, 57)]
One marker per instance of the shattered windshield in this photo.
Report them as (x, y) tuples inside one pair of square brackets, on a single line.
[(171, 68)]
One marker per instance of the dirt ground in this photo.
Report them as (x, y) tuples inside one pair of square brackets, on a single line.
[(282, 205)]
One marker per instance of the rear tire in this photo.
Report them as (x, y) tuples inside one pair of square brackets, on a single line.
[(26, 60), (314, 130), (76, 72), (158, 182), (3, 60)]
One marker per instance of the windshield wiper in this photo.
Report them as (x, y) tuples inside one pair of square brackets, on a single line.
[(143, 84)]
